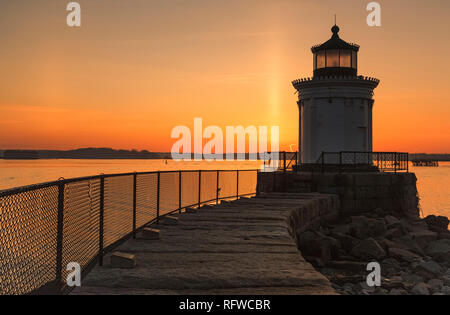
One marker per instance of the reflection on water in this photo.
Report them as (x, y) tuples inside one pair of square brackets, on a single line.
[(433, 182)]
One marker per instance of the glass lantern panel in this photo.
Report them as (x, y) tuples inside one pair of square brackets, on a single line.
[(321, 59), (345, 59), (315, 61), (333, 58), (354, 60)]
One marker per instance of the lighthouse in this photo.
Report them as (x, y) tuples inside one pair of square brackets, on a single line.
[(335, 105)]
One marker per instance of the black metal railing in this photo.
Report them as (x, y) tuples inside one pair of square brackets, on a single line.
[(383, 161), (46, 226), (285, 160)]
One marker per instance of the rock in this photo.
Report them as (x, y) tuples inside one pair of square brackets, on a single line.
[(429, 269), (436, 285), (363, 227), (381, 291), (446, 290), (423, 237), (409, 244), (347, 242), (398, 291), (168, 220), (150, 234), (348, 265), (394, 282), (438, 293), (416, 225), (390, 244), (403, 254), (341, 229), (369, 249), (362, 286), (315, 244), (439, 250), (394, 233), (421, 289), (437, 223), (412, 278), (392, 222), (444, 235), (123, 260), (446, 280), (376, 227), (380, 212), (306, 237)]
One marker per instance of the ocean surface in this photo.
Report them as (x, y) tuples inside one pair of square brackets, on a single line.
[(433, 182)]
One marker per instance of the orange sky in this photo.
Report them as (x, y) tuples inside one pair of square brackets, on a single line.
[(138, 68)]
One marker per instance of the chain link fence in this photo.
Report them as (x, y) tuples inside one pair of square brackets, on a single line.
[(45, 227)]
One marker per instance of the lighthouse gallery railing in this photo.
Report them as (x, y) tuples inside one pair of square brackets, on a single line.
[(384, 161), (44, 227)]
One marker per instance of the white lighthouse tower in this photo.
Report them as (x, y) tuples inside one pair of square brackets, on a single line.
[(335, 105)]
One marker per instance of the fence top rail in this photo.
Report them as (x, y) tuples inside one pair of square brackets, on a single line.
[(367, 152), (28, 188)]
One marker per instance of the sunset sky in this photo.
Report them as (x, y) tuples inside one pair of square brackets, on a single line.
[(138, 68)]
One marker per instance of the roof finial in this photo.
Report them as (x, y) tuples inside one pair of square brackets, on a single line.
[(335, 19)]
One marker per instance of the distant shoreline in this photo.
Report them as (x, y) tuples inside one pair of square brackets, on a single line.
[(111, 154), (94, 154)]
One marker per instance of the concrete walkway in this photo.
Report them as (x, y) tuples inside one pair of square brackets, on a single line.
[(240, 247)]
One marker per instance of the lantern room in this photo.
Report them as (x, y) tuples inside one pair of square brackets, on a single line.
[(335, 56)]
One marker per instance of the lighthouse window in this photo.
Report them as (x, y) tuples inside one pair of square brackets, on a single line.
[(333, 58), (345, 58), (354, 60), (321, 59)]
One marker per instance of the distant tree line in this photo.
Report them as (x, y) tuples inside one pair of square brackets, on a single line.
[(85, 153)]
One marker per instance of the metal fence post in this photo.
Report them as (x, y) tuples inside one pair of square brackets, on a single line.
[(407, 162), (217, 188), (395, 162), (323, 162), (157, 196), (134, 204), (60, 237), (199, 188), (237, 184), (284, 161), (179, 190), (101, 220)]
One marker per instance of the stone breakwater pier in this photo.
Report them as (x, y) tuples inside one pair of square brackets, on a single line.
[(248, 246), (379, 222)]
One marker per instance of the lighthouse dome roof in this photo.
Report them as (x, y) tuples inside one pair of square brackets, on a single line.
[(335, 42)]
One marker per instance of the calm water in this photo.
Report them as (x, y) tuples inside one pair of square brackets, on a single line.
[(433, 182)]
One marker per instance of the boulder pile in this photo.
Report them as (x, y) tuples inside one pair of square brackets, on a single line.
[(414, 254)]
